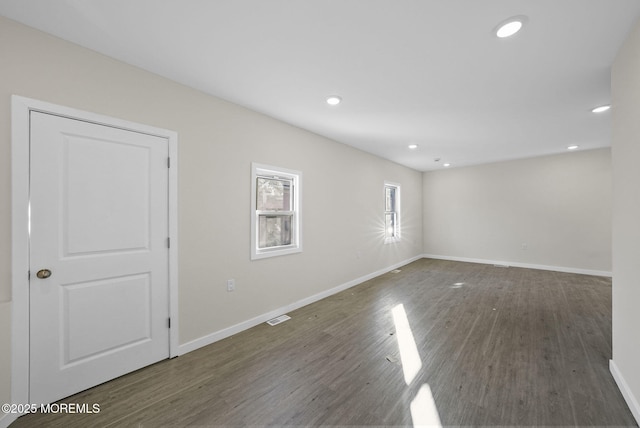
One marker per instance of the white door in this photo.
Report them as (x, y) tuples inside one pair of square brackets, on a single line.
[(99, 225)]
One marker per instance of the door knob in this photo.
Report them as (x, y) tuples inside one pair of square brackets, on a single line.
[(43, 273)]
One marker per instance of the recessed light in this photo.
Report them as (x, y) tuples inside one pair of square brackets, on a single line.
[(334, 100), (446, 165), (572, 147), (413, 146), (601, 109), (511, 26)]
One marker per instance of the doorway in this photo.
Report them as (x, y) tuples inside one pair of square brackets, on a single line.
[(94, 211)]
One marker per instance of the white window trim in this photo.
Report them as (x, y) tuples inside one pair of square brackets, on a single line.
[(396, 238), (258, 169)]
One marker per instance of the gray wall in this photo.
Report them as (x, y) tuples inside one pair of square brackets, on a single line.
[(626, 216), (557, 207)]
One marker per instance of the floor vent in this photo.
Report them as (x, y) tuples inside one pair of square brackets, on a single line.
[(278, 320), (501, 265)]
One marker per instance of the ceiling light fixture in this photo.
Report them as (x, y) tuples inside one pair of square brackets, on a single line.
[(572, 147), (334, 100), (511, 26), (601, 109), (446, 165), (413, 146)]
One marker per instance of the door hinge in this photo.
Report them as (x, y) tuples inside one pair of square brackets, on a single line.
[(168, 242), (169, 322), (168, 162), (29, 275)]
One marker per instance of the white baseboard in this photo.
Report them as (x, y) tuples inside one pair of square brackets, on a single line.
[(631, 400), (7, 419), (521, 265), (245, 325)]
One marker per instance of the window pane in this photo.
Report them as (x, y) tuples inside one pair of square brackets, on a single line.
[(273, 194), (390, 199), (274, 230), (390, 225)]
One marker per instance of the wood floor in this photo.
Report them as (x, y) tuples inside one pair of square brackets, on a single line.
[(496, 346)]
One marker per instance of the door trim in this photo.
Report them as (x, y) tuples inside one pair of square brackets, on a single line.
[(20, 146)]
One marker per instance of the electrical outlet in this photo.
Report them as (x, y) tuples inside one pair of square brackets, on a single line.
[(231, 284), (524, 246)]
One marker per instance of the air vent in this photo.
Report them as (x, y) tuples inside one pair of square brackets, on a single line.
[(278, 320)]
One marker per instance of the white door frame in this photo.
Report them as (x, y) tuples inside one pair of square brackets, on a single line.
[(20, 109)]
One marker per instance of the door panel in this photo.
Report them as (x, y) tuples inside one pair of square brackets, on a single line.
[(99, 223), (94, 195), (86, 311)]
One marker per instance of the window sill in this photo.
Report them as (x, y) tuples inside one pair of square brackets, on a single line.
[(264, 254)]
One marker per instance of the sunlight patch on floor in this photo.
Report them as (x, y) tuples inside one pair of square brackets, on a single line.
[(411, 363), (424, 412)]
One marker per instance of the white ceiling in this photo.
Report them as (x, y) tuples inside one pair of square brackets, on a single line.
[(429, 72)]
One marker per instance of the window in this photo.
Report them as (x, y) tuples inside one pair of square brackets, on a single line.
[(275, 211), (391, 212)]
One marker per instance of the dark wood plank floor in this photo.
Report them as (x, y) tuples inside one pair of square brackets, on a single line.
[(497, 346)]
